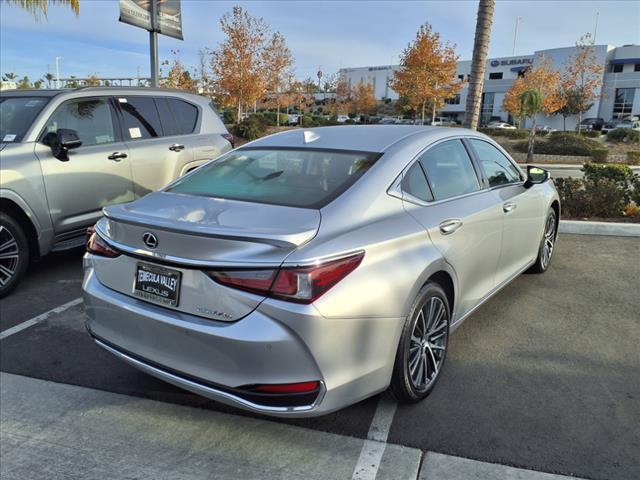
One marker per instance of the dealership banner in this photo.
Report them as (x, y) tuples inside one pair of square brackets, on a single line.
[(138, 13)]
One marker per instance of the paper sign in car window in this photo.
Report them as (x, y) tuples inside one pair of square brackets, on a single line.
[(135, 132), (10, 137), (122, 100)]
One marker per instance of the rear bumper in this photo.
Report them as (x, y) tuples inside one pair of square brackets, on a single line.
[(275, 344)]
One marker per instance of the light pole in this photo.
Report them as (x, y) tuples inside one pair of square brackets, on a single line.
[(58, 71), (153, 43), (515, 36)]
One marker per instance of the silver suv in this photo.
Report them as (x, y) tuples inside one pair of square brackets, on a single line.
[(66, 154)]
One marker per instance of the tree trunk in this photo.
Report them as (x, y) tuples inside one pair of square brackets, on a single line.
[(239, 111), (478, 63), (278, 113), (433, 112), (564, 123), (532, 138), (423, 107)]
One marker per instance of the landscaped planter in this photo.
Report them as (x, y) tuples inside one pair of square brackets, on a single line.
[(564, 159)]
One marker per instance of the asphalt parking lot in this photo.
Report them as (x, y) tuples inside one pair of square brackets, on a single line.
[(545, 376)]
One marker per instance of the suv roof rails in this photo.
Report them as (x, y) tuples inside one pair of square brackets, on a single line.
[(151, 89)]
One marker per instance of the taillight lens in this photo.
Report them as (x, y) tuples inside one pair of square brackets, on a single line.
[(302, 387), (97, 246), (230, 139), (299, 284)]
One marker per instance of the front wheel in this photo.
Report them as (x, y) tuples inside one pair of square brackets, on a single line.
[(423, 345), (547, 244), (14, 253)]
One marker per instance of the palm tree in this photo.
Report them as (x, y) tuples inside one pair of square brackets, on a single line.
[(49, 78), (478, 62), (9, 76), (39, 7), (531, 103)]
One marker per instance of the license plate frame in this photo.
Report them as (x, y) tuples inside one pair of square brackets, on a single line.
[(155, 285)]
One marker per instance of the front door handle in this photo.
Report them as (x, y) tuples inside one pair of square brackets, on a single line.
[(509, 207), (447, 227), (117, 156), (176, 147)]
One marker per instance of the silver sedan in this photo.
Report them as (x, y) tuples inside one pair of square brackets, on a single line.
[(311, 269)]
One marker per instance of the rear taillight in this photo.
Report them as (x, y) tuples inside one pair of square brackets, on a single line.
[(302, 387), (298, 284), (229, 138), (97, 246)]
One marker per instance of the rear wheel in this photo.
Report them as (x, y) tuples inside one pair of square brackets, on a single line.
[(423, 345), (547, 245), (14, 253)]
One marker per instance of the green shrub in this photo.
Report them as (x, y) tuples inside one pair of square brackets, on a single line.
[(516, 134), (562, 143), (229, 116), (586, 198), (591, 133), (619, 175), (600, 155), (307, 121), (633, 157), (251, 128), (626, 135)]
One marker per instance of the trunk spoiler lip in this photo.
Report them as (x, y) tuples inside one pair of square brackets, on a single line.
[(292, 240)]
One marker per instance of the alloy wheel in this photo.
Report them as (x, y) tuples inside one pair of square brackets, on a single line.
[(9, 256), (549, 240), (428, 343)]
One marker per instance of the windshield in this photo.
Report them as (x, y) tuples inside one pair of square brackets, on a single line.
[(17, 114), (304, 178)]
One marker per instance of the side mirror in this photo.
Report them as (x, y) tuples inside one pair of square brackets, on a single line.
[(61, 141), (536, 175)]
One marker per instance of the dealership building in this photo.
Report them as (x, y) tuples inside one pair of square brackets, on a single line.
[(619, 95)]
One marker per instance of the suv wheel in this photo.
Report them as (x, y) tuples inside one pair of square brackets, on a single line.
[(423, 345), (14, 253)]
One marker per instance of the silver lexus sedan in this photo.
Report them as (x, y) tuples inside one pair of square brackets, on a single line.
[(311, 269)]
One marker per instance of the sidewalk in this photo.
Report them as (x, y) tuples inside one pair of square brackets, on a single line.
[(56, 431)]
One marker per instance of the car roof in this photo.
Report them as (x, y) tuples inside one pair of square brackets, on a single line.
[(34, 92), (364, 138), (39, 92)]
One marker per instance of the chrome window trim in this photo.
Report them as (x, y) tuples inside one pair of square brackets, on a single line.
[(395, 189)]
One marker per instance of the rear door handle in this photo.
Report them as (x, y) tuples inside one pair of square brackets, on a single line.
[(117, 156), (509, 207), (447, 227), (176, 147)]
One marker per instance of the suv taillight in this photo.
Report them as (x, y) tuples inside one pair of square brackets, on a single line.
[(297, 284), (97, 246), (230, 139)]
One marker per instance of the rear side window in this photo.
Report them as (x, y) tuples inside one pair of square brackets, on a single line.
[(91, 118), (169, 126), (496, 167), (449, 170), (414, 183), (140, 118), (186, 115), (296, 178)]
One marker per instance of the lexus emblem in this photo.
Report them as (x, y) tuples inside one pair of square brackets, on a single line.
[(150, 240)]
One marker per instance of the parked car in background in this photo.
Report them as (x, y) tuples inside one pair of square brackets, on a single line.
[(442, 122), (66, 154), (293, 118), (315, 268), (590, 124), (629, 122), (342, 118), (545, 129), (501, 125)]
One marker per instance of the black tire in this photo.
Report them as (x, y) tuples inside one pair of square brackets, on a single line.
[(403, 382), (549, 235), (14, 253)]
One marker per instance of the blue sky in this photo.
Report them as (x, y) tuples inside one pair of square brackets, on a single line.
[(327, 34)]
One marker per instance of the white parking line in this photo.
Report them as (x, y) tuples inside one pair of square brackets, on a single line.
[(376, 442), (43, 316)]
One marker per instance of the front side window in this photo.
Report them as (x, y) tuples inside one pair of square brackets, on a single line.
[(297, 178), (496, 167), (414, 183), (449, 170), (140, 118), (91, 118), (16, 116)]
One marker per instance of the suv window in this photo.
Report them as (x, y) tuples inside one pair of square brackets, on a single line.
[(140, 118), (169, 126), (415, 183), (91, 118), (496, 167), (186, 115), (17, 115), (449, 170)]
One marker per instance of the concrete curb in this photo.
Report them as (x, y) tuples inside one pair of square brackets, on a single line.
[(571, 166), (600, 228)]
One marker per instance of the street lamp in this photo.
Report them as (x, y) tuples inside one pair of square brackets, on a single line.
[(58, 71)]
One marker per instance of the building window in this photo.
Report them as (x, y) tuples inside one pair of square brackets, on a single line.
[(623, 102), (486, 108), (455, 100), (495, 76), (636, 67), (461, 77), (617, 68)]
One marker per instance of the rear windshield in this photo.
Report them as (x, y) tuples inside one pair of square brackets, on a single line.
[(17, 114), (292, 177)]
